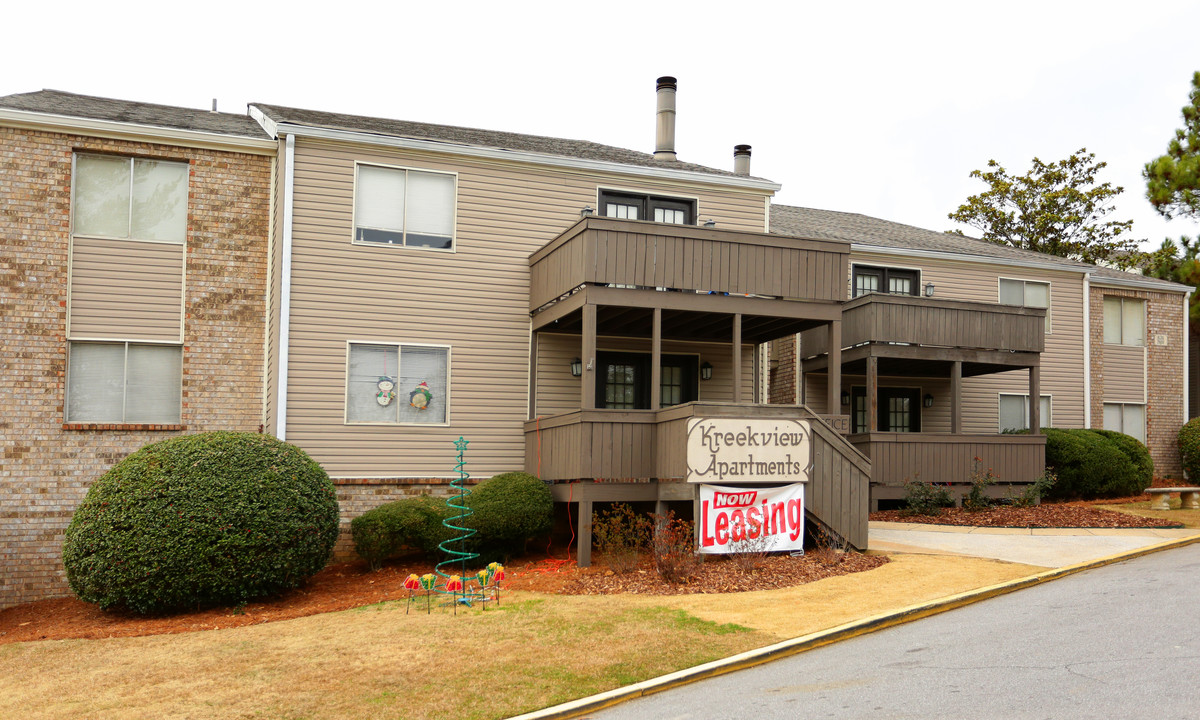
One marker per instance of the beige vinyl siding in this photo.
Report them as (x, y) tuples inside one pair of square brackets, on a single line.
[(558, 391), (1124, 374), (274, 298), (474, 299), (935, 419), (1062, 361), (126, 289)]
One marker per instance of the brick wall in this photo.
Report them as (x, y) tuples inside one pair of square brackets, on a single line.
[(781, 387), (355, 497), (46, 469), (1165, 391)]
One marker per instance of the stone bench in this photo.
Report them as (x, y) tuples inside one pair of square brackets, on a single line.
[(1189, 498)]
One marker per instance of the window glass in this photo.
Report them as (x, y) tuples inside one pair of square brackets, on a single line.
[(430, 210), (1014, 412), (1133, 316), (394, 206), (864, 284), (397, 384), (624, 212), (159, 201), (101, 205), (1126, 418), (1012, 292), (900, 285), (1027, 293), (1112, 320), (898, 281), (124, 383), (668, 215), (636, 206)]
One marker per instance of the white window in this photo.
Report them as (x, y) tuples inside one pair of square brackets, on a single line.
[(1126, 418), (396, 383), (130, 198), (1124, 321), (1014, 412), (411, 208), (124, 383), (1027, 293)]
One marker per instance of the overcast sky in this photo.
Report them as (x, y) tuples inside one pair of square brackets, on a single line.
[(880, 108)]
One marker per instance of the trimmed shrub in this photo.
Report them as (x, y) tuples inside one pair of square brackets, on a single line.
[(1137, 453), (1090, 465), (385, 531), (1189, 448), (200, 520), (510, 509)]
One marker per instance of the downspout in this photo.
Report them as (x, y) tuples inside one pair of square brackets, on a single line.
[(1187, 346), (285, 286), (1087, 350)]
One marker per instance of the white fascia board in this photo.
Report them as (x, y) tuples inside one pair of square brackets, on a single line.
[(963, 257), (477, 151), (134, 131), (1134, 281), (269, 126)]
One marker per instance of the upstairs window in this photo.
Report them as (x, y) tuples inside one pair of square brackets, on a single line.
[(1124, 321), (1026, 293), (409, 208), (634, 206), (893, 281), (130, 198)]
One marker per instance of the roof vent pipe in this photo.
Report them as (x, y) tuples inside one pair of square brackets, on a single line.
[(664, 140), (214, 105), (741, 159)]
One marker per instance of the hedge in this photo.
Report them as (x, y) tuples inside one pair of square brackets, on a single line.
[(201, 520), (1093, 464), (1189, 448)]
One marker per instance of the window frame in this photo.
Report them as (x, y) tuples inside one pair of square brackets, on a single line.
[(641, 359), (68, 420), (1025, 281), (1122, 299), (1047, 421), (1122, 406), (884, 272), (647, 203), (399, 350), (133, 159), (406, 170)]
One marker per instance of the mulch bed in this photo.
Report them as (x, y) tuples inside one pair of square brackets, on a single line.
[(1046, 515)]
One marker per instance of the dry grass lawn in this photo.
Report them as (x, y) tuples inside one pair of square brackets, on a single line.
[(377, 662)]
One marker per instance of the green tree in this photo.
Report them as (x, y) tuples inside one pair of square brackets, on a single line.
[(1056, 208), (1180, 263), (1173, 180)]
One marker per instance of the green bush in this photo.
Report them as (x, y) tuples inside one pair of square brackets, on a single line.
[(1189, 448), (509, 510), (200, 520), (1137, 453), (924, 498), (1090, 465)]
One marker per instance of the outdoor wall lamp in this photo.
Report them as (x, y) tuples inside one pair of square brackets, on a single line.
[(928, 289), (576, 367), (710, 223), (587, 210), (845, 398), (706, 372), (927, 401)]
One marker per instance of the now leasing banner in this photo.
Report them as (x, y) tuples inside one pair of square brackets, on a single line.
[(742, 519), (727, 451)]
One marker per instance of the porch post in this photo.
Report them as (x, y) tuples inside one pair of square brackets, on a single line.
[(583, 550), (834, 393), (956, 398), (533, 352), (656, 361), (872, 393), (587, 383), (737, 357), (1035, 400)]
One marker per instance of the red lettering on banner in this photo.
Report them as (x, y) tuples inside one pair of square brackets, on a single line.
[(721, 529), (738, 519), (706, 540), (795, 516)]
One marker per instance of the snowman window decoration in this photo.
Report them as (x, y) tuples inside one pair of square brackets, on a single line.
[(387, 391), (420, 398)]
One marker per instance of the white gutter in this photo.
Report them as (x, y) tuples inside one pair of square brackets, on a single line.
[(1087, 352), (285, 288), (1137, 281), (451, 148), (136, 131), (964, 257)]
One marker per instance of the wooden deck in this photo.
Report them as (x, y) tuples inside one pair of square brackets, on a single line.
[(642, 455), (949, 458)]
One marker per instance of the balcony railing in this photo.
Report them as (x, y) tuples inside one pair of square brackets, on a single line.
[(948, 458), (605, 251)]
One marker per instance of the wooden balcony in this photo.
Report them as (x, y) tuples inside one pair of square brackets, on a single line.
[(638, 254)]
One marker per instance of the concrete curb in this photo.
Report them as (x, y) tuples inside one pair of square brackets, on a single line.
[(760, 656)]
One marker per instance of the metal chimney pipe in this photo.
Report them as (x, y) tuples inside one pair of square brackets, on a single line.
[(741, 159), (664, 140)]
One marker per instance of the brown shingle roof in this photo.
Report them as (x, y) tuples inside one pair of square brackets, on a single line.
[(56, 102), (582, 149)]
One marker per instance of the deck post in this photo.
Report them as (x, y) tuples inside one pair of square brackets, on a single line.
[(956, 398), (656, 361), (587, 383), (533, 351), (584, 534), (834, 391), (1035, 400), (737, 357), (872, 394)]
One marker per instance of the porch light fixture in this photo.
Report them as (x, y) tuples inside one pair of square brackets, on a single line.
[(927, 401), (706, 372), (928, 289), (845, 398), (576, 367), (710, 223), (586, 211)]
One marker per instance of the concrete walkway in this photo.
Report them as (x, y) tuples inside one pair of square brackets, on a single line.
[(1044, 547)]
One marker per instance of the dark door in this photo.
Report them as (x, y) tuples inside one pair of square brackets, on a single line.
[(623, 380), (899, 409)]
